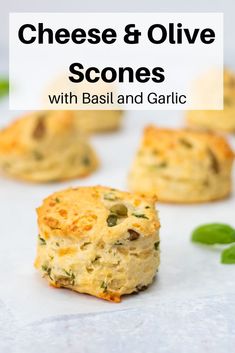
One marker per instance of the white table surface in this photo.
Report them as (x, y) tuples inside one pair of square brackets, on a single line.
[(189, 308)]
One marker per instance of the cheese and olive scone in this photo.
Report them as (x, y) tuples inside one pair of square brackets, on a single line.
[(223, 120), (98, 120), (183, 166), (44, 147), (99, 241)]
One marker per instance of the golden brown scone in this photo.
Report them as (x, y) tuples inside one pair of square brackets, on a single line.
[(99, 241), (182, 166), (46, 146), (98, 120), (223, 120)]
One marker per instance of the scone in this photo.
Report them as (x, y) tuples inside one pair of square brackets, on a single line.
[(98, 120), (223, 120), (98, 241), (44, 147), (182, 166)]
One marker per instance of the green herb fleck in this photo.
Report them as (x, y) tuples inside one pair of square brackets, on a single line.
[(4, 87), (215, 166), (159, 165), (57, 244), (86, 161), (104, 286), (37, 155), (228, 255), (71, 276), (185, 143), (95, 259), (138, 215), (214, 233), (57, 200), (84, 245), (110, 197), (47, 270), (44, 267), (118, 242), (156, 245), (41, 240), (162, 165), (147, 207)]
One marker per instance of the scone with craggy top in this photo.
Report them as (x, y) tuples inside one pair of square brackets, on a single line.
[(44, 147), (99, 241), (223, 120), (182, 166), (98, 120)]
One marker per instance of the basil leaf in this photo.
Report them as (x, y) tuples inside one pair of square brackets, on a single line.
[(214, 233), (4, 87), (228, 255)]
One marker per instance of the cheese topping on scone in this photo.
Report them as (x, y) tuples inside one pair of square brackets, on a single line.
[(182, 165), (99, 241)]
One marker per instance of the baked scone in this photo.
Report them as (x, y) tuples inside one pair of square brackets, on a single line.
[(98, 120), (183, 166), (44, 147), (99, 241), (223, 120)]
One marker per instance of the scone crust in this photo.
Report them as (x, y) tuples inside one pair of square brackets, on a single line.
[(107, 261), (183, 165), (77, 210), (95, 121), (45, 146), (167, 139)]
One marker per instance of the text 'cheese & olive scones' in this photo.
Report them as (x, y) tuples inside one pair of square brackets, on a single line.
[(182, 166), (98, 120), (98, 241), (46, 146), (223, 120)]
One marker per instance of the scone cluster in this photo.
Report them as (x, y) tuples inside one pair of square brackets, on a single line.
[(181, 165), (46, 146), (99, 241), (221, 120)]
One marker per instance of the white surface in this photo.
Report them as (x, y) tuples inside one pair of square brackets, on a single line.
[(188, 273)]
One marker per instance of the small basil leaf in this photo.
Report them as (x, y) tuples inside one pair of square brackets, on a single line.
[(4, 87), (228, 255), (214, 233)]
